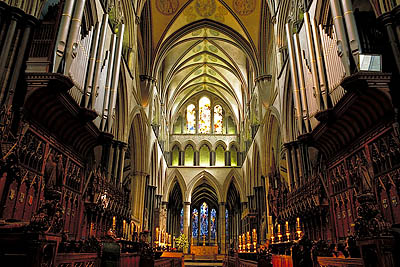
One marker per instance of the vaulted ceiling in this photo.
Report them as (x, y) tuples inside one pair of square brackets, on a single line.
[(205, 46)]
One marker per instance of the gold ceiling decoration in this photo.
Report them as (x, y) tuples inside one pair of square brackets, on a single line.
[(244, 7), (167, 7), (205, 8)]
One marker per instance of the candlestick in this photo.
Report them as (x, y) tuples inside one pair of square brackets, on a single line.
[(240, 243), (279, 233)]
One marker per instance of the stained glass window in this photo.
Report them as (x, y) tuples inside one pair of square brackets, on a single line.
[(195, 223), (213, 223), (204, 115), (204, 219), (181, 221), (191, 118), (218, 119), (226, 222)]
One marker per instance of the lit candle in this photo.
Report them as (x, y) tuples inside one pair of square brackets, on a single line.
[(123, 228), (279, 228), (114, 223), (298, 222), (287, 227)]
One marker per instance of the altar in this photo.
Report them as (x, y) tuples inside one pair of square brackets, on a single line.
[(204, 250)]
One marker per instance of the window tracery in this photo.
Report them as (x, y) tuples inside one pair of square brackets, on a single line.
[(213, 223), (191, 118), (195, 222), (218, 119), (204, 219), (204, 115)]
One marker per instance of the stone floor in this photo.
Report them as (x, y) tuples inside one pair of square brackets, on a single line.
[(202, 261)]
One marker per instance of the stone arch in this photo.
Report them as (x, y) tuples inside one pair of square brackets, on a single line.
[(205, 142), (235, 178), (219, 142), (178, 144), (138, 144), (189, 142), (168, 186), (196, 181)]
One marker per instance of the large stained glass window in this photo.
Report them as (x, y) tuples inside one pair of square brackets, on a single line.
[(191, 118), (195, 223), (213, 223), (181, 221), (204, 219), (204, 115), (218, 129)]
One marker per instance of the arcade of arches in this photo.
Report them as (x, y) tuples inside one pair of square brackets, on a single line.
[(250, 127)]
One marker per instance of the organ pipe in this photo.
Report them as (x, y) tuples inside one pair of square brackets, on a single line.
[(115, 79), (300, 73), (73, 33), (294, 78), (108, 83), (352, 30), (93, 51), (342, 42), (320, 63), (63, 33), (313, 62), (99, 61), (4, 54)]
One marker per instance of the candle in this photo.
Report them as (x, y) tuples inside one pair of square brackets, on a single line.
[(114, 223), (287, 226), (279, 228), (123, 228), (298, 222)]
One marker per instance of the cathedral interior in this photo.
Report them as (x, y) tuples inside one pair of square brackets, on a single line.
[(235, 133)]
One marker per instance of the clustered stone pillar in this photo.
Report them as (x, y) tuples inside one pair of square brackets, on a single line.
[(222, 228)]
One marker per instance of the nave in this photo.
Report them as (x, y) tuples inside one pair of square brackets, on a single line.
[(235, 133)]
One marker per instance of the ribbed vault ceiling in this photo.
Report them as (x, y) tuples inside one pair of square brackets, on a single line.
[(215, 53)]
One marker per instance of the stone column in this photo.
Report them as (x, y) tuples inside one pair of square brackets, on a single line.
[(227, 158), (117, 149), (196, 158), (110, 161), (212, 158), (120, 177), (221, 228), (138, 186), (186, 219), (181, 158)]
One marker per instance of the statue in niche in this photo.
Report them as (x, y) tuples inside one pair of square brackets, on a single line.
[(60, 171), (363, 175), (50, 172)]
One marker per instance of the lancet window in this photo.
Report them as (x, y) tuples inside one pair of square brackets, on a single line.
[(204, 219)]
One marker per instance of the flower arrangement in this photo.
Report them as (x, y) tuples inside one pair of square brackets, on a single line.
[(182, 242)]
